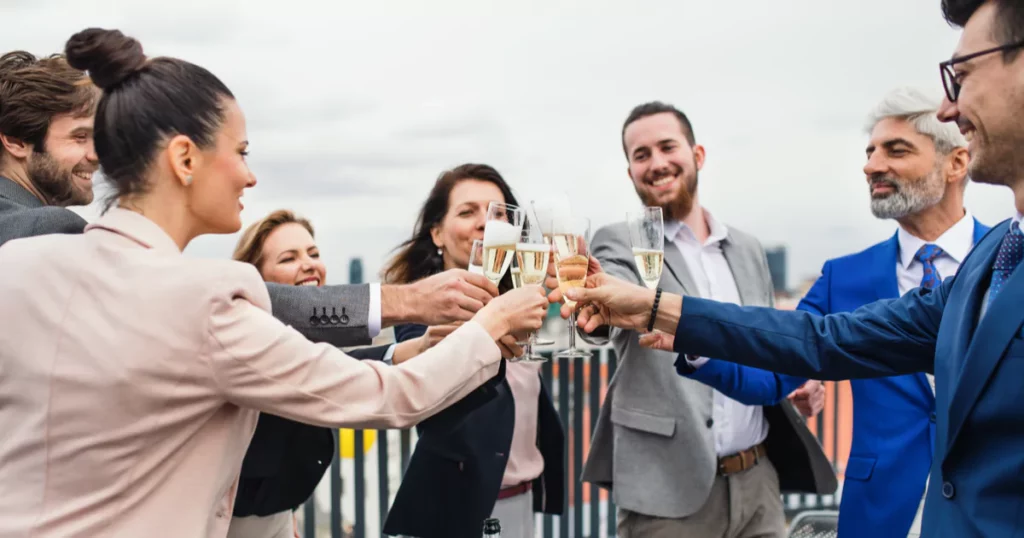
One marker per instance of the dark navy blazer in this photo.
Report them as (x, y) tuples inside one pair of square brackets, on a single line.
[(454, 475)]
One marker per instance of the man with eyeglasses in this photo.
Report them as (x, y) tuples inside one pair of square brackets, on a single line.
[(968, 331)]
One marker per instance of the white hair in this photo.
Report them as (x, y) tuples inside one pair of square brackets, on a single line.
[(919, 109)]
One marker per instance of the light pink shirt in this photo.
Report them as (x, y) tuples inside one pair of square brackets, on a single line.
[(131, 378), (525, 462)]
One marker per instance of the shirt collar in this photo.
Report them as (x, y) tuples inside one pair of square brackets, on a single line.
[(718, 231), (136, 227), (956, 242)]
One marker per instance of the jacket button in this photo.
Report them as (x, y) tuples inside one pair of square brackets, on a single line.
[(931, 417), (710, 422), (948, 491)]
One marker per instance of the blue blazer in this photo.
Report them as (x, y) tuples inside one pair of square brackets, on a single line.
[(977, 483), (893, 417), (454, 475)]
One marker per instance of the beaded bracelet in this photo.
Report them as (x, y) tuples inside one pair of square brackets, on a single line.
[(654, 310)]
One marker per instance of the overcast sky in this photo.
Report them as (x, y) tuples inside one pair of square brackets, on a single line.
[(354, 108)]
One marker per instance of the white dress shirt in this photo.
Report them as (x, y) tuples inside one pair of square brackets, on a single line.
[(955, 243), (736, 426)]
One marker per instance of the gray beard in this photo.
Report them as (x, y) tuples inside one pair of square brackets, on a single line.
[(910, 197)]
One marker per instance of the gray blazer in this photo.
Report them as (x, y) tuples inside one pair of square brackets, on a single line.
[(653, 439), (336, 315)]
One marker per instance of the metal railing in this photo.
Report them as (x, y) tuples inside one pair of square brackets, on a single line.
[(353, 499)]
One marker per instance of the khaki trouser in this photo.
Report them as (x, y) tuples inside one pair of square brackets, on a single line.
[(742, 505)]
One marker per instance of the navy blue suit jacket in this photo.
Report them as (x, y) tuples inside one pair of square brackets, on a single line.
[(894, 417), (977, 472), (455, 472)]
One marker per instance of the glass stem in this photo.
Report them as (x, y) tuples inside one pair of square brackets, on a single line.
[(572, 331)]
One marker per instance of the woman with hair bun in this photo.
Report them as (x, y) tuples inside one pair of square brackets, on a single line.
[(133, 376)]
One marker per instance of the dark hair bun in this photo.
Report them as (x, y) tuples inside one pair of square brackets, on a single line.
[(108, 55)]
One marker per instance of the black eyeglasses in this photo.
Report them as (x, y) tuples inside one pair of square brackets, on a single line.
[(949, 77)]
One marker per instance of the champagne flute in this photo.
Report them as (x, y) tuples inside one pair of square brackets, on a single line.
[(501, 233), (517, 278), (476, 257), (543, 211), (532, 255), (647, 235), (571, 239)]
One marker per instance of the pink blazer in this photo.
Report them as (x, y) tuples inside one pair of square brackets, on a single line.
[(131, 377)]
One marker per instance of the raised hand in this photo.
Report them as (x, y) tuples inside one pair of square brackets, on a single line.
[(610, 301), (551, 283), (658, 340), (449, 296), (516, 313), (809, 399)]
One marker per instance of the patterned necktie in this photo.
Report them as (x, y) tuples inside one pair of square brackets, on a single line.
[(1010, 253), (926, 255)]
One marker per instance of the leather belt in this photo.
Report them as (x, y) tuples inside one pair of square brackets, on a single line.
[(741, 461), (513, 491)]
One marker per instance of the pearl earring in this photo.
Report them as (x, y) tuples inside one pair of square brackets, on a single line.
[(188, 179), (440, 252)]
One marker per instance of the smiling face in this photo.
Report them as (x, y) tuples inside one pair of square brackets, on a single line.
[(63, 167), (215, 193), (902, 170), (662, 163), (464, 220), (290, 256), (988, 109)]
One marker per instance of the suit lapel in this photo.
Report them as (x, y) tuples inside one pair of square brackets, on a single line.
[(676, 265), (744, 274), (884, 267), (990, 339)]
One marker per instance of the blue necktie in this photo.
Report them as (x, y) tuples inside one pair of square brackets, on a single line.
[(1010, 253), (926, 255)]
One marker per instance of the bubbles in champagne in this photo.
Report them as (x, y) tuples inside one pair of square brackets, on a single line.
[(572, 273)]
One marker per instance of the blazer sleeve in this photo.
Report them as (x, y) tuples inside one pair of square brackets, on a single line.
[(745, 384), (259, 362), (373, 353), (886, 338), (452, 417), (336, 315)]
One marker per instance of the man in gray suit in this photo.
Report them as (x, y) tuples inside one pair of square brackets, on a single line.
[(47, 162), (680, 458)]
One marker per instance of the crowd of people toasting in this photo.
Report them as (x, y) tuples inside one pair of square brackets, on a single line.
[(146, 393)]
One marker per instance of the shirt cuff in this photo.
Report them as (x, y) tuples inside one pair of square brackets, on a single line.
[(695, 361), (373, 323), (389, 355)]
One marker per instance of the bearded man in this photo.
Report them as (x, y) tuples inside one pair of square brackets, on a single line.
[(682, 455)]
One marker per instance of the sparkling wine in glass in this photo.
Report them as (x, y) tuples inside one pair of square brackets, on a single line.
[(647, 235), (501, 233), (476, 257), (532, 255), (517, 278), (571, 240)]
